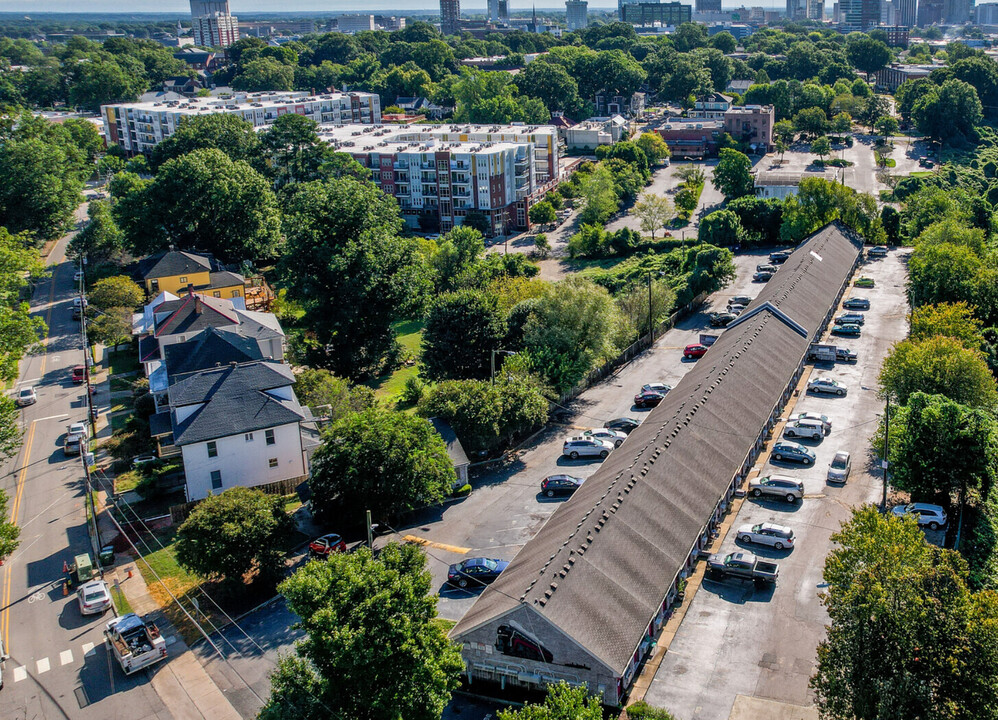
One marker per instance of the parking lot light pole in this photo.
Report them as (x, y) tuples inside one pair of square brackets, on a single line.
[(885, 462), (501, 352)]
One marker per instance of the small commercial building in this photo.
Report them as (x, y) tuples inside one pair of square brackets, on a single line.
[(692, 137), (751, 124), (590, 134), (780, 184), (584, 600), (712, 106), (891, 77)]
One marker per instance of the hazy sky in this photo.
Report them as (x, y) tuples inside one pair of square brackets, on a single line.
[(180, 6)]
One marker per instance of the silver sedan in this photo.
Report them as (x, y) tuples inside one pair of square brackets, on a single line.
[(777, 536)]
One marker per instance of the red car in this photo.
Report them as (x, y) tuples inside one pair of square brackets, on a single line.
[(696, 350), (323, 546), (648, 398), (79, 374)]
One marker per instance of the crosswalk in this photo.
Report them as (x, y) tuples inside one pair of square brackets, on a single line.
[(43, 665)]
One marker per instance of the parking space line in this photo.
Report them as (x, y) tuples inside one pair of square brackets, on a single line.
[(43, 665), (20, 673), (88, 649), (439, 546), (65, 657)]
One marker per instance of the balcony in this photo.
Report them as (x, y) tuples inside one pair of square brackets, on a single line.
[(461, 179), (460, 166)]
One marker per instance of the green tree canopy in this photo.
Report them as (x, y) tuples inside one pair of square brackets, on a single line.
[(543, 213), (949, 113), (462, 331), (732, 174), (938, 366), (318, 388), (227, 132), (721, 228), (292, 149), (264, 74), (380, 460), (371, 649), (955, 320), (100, 240), (41, 188), (653, 146), (229, 535), (598, 195), (866, 54), (563, 702), (9, 532), (115, 291)]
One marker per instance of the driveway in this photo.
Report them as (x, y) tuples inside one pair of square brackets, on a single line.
[(738, 642)]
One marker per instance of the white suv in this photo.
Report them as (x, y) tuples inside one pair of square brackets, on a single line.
[(805, 428), (583, 446), (924, 513)]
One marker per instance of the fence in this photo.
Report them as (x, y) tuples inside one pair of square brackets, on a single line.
[(633, 350), (180, 512)]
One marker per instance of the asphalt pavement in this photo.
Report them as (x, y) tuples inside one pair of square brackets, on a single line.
[(58, 667)]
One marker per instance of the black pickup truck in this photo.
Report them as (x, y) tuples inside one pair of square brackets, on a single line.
[(742, 566)]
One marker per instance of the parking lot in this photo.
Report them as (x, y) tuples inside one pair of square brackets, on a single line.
[(737, 640)]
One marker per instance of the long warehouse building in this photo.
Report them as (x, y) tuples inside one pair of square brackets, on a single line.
[(585, 598)]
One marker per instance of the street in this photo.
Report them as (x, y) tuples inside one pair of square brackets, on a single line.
[(58, 666)]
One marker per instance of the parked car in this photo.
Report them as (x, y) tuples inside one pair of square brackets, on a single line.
[(26, 396), (719, 319), (78, 429), (845, 355), (79, 374), (762, 277), (475, 571), (581, 446), (660, 388), (742, 566), (780, 486), (77, 276), (851, 329), (615, 437), (736, 310), (79, 301), (560, 485), (877, 251), (779, 256), (73, 445), (864, 282), (696, 350), (648, 399), (325, 545), (623, 424), (840, 467), (827, 385), (850, 319), (823, 419), (766, 267), (141, 460), (94, 597), (856, 303), (739, 300), (925, 514), (792, 451), (805, 428), (777, 536)]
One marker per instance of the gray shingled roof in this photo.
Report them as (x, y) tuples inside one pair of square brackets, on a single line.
[(602, 564), (194, 313), (174, 262), (235, 399), (208, 349), (455, 450)]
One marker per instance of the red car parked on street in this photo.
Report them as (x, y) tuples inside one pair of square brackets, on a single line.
[(696, 350), (323, 546)]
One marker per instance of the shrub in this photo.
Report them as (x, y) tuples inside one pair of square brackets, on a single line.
[(643, 711)]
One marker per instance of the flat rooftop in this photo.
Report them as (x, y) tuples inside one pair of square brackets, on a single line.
[(457, 138), (238, 101)]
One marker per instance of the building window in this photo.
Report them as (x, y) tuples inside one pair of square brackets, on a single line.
[(183, 279), (249, 437), (154, 285), (212, 449), (270, 437), (216, 479), (235, 293), (217, 293), (272, 462)]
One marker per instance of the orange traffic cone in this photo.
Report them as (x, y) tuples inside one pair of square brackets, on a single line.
[(129, 573), (65, 589), (65, 566)]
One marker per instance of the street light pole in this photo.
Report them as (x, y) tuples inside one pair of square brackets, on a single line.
[(500, 351), (651, 326), (887, 448)]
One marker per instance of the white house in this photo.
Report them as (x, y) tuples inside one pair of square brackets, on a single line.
[(234, 425), (780, 184)]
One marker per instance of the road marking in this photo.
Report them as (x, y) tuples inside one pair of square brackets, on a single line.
[(52, 417), (65, 657), (439, 546), (88, 649), (20, 673), (43, 665)]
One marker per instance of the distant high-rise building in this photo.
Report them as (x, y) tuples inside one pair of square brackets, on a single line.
[(930, 12), (986, 14), (450, 16), (862, 14), (907, 12), (499, 12), (622, 3), (351, 24), (576, 14), (212, 24), (956, 12), (816, 10), (796, 9), (708, 6)]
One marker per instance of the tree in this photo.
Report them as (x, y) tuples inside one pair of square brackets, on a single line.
[(875, 108), (687, 199), (100, 240), (342, 249), (721, 228), (866, 54), (724, 41), (318, 388), (9, 532), (886, 126), (938, 366), (230, 535), (478, 221), (489, 415), (907, 639), (821, 147), (459, 249), (40, 190), (943, 272), (19, 329), (116, 291), (653, 211), (371, 648), (552, 83), (293, 149), (841, 123), (543, 213), (653, 146), (541, 245), (227, 132), (110, 327), (206, 201), (563, 702), (784, 130), (760, 219), (462, 331), (264, 74), (819, 201), (384, 461), (598, 196), (955, 320), (97, 80), (811, 121), (733, 174), (949, 113)]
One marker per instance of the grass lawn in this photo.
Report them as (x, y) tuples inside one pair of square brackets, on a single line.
[(122, 403), (163, 562), (121, 603), (444, 624), (118, 421), (409, 334), (921, 174), (127, 481), (119, 384), (123, 361)]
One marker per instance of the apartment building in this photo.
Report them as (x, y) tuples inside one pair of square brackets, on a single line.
[(140, 126), (752, 124), (212, 23), (439, 174)]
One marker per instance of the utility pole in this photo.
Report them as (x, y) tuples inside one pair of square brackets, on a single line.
[(370, 532), (651, 327), (887, 448)]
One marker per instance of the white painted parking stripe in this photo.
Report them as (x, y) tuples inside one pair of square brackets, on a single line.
[(20, 673), (65, 657), (43, 665), (88, 649)]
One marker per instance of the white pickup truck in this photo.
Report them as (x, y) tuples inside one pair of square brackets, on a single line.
[(136, 643)]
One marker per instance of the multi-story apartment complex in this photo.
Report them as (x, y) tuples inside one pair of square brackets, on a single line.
[(351, 24), (986, 14), (499, 11), (816, 10), (212, 23), (450, 16), (439, 174), (138, 127), (576, 14)]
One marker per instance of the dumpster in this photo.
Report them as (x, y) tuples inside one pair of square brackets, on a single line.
[(83, 569), (106, 556)]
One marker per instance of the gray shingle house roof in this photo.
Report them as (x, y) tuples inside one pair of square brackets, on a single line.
[(454, 448), (208, 349), (193, 313), (601, 566), (174, 262)]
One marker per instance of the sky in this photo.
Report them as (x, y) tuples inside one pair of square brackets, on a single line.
[(180, 6)]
